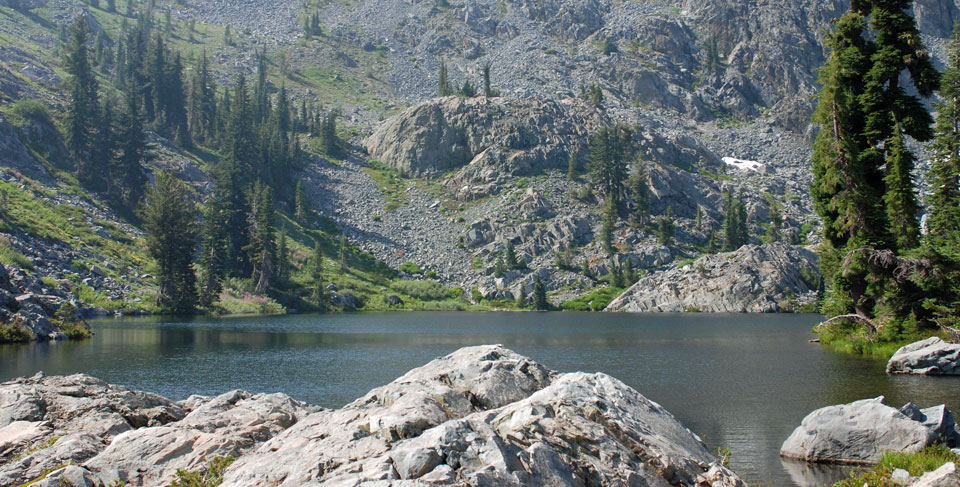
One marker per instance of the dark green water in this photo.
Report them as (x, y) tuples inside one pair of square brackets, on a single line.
[(739, 381)]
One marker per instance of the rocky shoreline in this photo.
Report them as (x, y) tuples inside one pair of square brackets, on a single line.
[(479, 416)]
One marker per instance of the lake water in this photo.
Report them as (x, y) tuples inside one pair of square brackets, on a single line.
[(742, 382)]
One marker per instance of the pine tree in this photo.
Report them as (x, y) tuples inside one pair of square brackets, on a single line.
[(640, 189), (283, 262), (862, 187), (608, 225), (943, 223), (629, 275), (540, 302), (573, 165), (510, 257), (616, 274), (610, 150), (317, 274), (202, 102), (487, 91), (212, 264), (170, 220), (130, 179), (343, 253), (585, 268), (666, 228), (262, 247), (301, 203), (776, 222), (522, 297), (227, 38), (84, 102), (443, 84), (698, 226)]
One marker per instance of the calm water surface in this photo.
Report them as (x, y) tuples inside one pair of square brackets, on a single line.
[(740, 381)]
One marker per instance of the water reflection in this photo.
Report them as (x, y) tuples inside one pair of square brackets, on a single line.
[(739, 381)]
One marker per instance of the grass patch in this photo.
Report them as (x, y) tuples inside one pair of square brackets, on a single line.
[(422, 290), (926, 460), (390, 182), (850, 337), (8, 256), (595, 301)]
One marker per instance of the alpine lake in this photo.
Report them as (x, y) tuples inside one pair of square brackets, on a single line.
[(741, 382)]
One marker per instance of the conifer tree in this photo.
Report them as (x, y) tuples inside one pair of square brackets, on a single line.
[(343, 253), (283, 262), (640, 189), (666, 228), (262, 247), (698, 226), (443, 84), (212, 263), (629, 275), (510, 257), (84, 100), (522, 297), (608, 225), (130, 179), (573, 165), (487, 91), (500, 267), (540, 302), (610, 150), (776, 222), (170, 220), (317, 274), (202, 102), (943, 223), (301, 203)]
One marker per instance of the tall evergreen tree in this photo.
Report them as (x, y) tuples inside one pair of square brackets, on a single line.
[(301, 203), (640, 190), (608, 225), (212, 264), (943, 223), (317, 274), (202, 102), (84, 99), (610, 150), (262, 250), (130, 179), (443, 84), (170, 220), (540, 302), (666, 228)]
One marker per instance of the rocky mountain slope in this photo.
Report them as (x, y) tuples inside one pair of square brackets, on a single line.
[(479, 416), (706, 85)]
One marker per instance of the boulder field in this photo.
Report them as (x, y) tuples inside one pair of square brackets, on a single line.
[(479, 416)]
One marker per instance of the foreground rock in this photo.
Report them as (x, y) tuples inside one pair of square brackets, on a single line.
[(945, 476), (480, 416), (860, 432), (755, 279), (932, 356)]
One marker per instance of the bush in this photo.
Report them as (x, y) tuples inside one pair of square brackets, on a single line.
[(595, 301), (422, 290), (410, 268), (24, 111), (13, 332), (212, 477)]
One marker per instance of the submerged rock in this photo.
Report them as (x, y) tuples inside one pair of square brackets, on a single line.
[(860, 432), (480, 416), (932, 356)]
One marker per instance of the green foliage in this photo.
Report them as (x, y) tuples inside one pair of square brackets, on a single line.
[(212, 476), (610, 151), (169, 219), (410, 268), (595, 301), (608, 225), (666, 228), (540, 302), (926, 460), (9, 256), (13, 332)]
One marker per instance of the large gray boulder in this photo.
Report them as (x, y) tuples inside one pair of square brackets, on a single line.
[(932, 356), (487, 416), (860, 432), (479, 416), (945, 476), (46, 422), (755, 279)]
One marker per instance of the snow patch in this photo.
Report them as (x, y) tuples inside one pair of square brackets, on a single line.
[(744, 164)]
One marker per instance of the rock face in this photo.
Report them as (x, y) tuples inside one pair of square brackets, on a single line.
[(755, 278), (486, 139), (932, 356), (480, 416), (860, 432), (28, 303)]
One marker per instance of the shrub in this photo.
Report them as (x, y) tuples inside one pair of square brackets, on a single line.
[(595, 301), (13, 332), (926, 460), (410, 268), (211, 477), (422, 290)]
